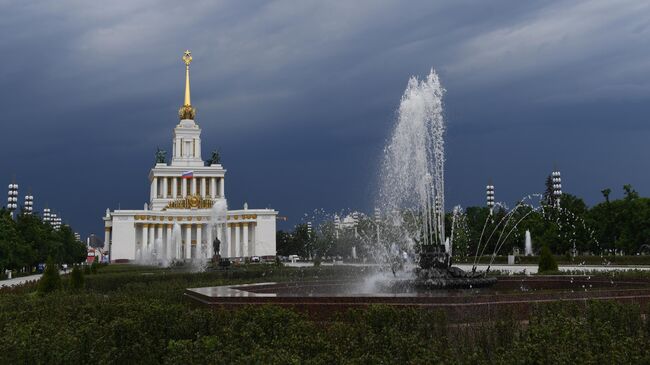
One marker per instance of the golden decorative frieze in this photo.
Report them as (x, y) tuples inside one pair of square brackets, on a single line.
[(190, 202), (249, 216)]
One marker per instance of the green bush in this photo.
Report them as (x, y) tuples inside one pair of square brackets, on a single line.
[(131, 314), (547, 262), (76, 278), (51, 280), (93, 267)]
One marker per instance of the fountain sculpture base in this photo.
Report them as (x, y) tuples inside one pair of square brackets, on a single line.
[(435, 272)]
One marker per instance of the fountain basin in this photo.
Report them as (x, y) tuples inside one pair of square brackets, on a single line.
[(322, 300)]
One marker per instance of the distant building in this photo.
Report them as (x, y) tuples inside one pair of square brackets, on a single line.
[(182, 196)]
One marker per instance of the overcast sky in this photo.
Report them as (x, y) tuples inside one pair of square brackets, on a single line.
[(300, 97)]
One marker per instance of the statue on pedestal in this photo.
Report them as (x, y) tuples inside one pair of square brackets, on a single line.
[(161, 155), (215, 159)]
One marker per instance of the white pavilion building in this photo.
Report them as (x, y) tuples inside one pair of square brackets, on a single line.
[(181, 219)]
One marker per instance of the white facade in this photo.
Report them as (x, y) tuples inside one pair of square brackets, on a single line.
[(188, 202)]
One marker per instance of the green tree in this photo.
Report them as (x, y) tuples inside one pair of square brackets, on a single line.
[(546, 261), (606, 193), (51, 280), (548, 192), (14, 254), (76, 278)]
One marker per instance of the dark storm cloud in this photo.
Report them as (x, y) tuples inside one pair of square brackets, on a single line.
[(300, 96)]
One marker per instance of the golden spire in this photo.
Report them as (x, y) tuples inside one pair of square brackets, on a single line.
[(187, 111)]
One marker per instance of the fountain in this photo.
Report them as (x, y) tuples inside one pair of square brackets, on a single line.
[(408, 238), (218, 226), (528, 246), (167, 252), (412, 194)]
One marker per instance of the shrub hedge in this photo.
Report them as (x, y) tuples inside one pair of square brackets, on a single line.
[(138, 316)]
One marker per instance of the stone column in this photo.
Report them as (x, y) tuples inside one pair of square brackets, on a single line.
[(145, 238), (213, 187), (245, 240), (183, 187), (237, 240), (208, 240), (152, 235), (159, 250), (198, 240), (193, 185), (107, 241), (252, 239), (203, 187), (188, 241), (222, 245), (174, 188), (165, 188), (230, 251), (168, 249), (154, 188), (222, 187)]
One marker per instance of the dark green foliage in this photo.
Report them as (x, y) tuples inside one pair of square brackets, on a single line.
[(547, 262), (622, 225), (127, 317), (297, 242), (93, 267), (76, 279), (28, 241), (548, 191), (51, 280)]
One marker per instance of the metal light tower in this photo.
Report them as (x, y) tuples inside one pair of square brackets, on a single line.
[(12, 198), (56, 222), (29, 204), (47, 216), (557, 187), (489, 193)]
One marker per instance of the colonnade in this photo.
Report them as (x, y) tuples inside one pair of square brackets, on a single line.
[(196, 240), (176, 187)]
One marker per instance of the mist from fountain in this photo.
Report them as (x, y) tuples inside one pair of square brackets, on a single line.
[(218, 219), (528, 245), (411, 191), (171, 251)]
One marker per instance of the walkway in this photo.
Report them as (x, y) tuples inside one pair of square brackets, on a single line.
[(22, 280)]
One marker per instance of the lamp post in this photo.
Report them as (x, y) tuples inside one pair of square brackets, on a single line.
[(29, 204), (55, 221), (489, 192), (12, 198), (557, 187), (47, 215)]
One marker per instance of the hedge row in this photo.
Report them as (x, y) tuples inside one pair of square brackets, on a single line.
[(140, 317)]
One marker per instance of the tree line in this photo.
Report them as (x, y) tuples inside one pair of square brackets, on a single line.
[(610, 227), (27, 241)]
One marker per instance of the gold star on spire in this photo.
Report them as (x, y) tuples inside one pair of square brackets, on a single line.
[(187, 111), (187, 58)]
